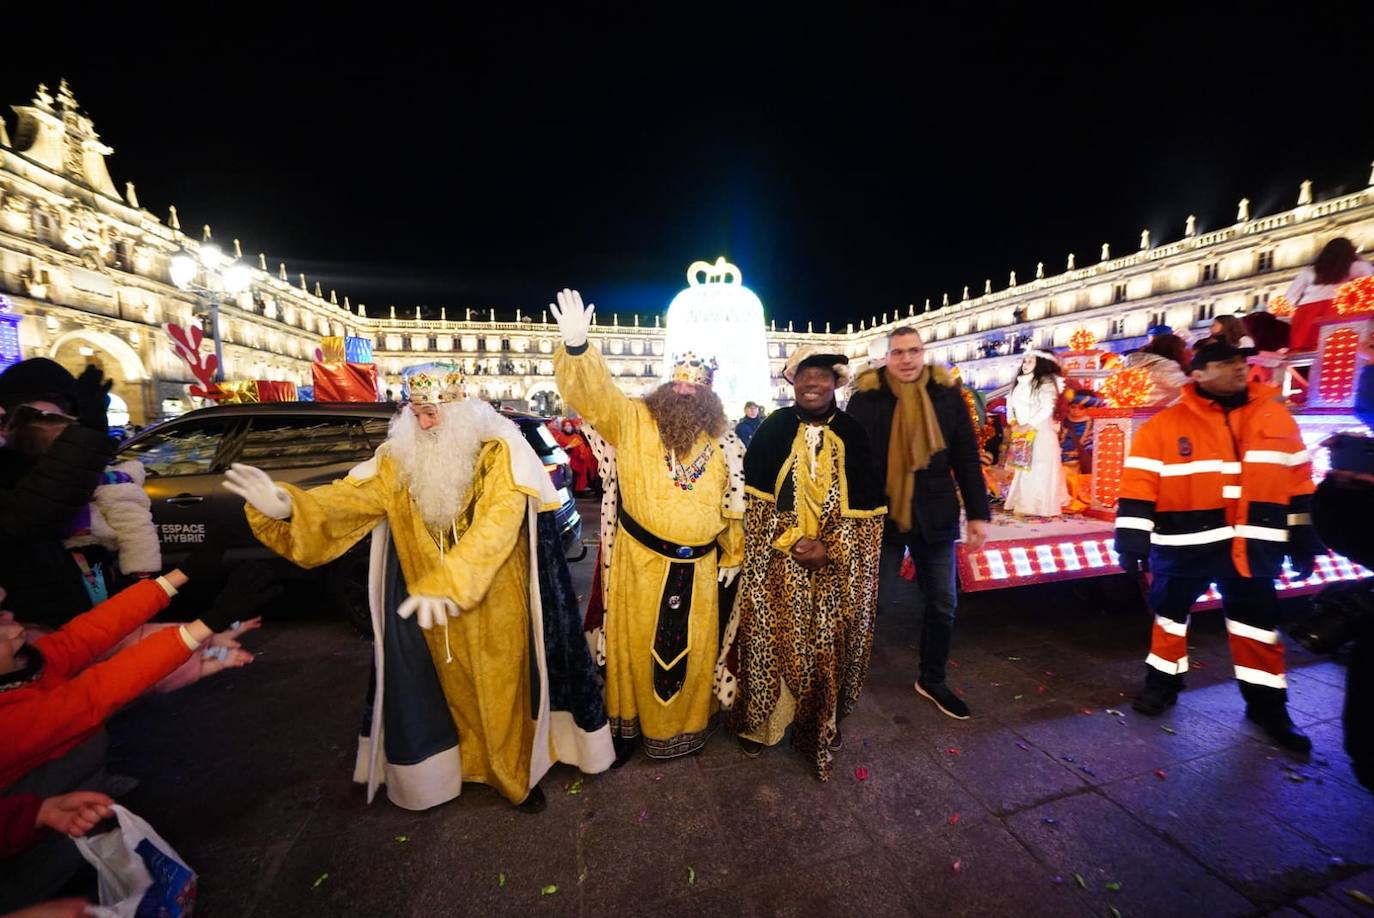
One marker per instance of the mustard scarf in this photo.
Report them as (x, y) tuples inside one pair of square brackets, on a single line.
[(916, 436)]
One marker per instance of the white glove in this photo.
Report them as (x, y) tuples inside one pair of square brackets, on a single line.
[(727, 575), (428, 610), (256, 487), (573, 320)]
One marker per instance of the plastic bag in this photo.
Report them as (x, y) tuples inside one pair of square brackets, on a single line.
[(1020, 449), (140, 875)]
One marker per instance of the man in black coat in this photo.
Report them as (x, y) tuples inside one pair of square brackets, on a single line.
[(923, 444), (55, 449)]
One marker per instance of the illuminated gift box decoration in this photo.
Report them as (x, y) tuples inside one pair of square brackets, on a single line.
[(1331, 383), (345, 382), (1113, 429), (358, 350), (333, 349)]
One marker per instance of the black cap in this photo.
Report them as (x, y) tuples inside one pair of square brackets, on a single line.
[(1215, 351), (37, 379)]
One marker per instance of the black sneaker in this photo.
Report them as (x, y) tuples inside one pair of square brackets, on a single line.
[(624, 749), (1279, 727), (837, 742), (750, 748), (950, 704), (1155, 700)]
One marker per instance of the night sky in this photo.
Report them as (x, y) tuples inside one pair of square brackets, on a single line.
[(848, 165)]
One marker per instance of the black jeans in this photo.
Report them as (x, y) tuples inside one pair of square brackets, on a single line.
[(934, 596)]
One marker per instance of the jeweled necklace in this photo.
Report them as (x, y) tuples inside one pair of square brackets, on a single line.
[(685, 477)]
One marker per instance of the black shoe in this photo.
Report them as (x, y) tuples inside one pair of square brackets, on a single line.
[(534, 803), (837, 743), (1155, 699), (950, 704), (624, 750), (1279, 727), (750, 748)]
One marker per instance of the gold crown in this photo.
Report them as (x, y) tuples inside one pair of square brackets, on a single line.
[(443, 383), (688, 367)]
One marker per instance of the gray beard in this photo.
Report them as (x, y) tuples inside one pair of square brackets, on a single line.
[(438, 465)]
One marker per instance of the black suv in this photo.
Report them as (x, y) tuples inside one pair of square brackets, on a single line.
[(305, 443)]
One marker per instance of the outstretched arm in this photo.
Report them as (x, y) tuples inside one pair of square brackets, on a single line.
[(582, 374)]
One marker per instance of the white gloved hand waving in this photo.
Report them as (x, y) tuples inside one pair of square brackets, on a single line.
[(258, 489), (428, 610), (727, 575), (572, 317)]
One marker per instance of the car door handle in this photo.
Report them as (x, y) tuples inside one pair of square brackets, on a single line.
[(183, 500)]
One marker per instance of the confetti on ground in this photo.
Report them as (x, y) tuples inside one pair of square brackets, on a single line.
[(1017, 697), (954, 750), (954, 820), (1067, 758), (548, 890), (1039, 690), (1114, 887), (1014, 659), (953, 664), (1168, 729), (643, 815), (1049, 821), (1161, 774), (867, 742), (1114, 712), (1087, 771), (997, 685), (1082, 883), (318, 880), (403, 838), (1116, 913), (1361, 897), (691, 877), (658, 777), (576, 786), (959, 692), (1050, 673), (860, 773), (1087, 711), (1297, 777), (957, 866), (1058, 880), (1023, 747), (500, 879)]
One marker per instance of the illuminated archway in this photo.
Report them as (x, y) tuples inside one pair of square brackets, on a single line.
[(75, 349), (130, 364)]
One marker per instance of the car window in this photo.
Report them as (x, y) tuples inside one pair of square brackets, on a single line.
[(287, 442), (181, 449), (539, 437)]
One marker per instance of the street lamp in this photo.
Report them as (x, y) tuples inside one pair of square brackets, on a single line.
[(220, 275)]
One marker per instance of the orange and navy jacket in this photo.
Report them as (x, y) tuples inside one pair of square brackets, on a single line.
[(72, 694), (1212, 492)]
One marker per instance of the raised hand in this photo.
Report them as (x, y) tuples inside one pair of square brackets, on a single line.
[(258, 489), (572, 317)]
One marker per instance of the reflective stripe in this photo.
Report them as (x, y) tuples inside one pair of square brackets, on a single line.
[(1145, 465), (1164, 666), (1230, 468), (1299, 519), (1135, 522), (1196, 467), (1260, 677), (1169, 626), (1230, 492), (1263, 533), (1274, 457), (1206, 537), (1251, 632)]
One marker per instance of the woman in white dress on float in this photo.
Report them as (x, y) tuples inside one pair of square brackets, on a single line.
[(1040, 490)]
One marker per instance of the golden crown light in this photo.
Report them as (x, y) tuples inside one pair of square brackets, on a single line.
[(688, 367), (436, 386)]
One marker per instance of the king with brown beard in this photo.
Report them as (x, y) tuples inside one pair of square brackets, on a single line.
[(679, 482), (481, 674)]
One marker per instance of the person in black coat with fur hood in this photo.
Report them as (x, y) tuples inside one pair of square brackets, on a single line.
[(923, 445)]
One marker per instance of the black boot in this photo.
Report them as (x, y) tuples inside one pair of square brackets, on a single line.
[(534, 803), (1268, 709), (1160, 692), (624, 749)]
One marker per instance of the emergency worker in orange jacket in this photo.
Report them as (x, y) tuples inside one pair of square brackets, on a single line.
[(1218, 490)]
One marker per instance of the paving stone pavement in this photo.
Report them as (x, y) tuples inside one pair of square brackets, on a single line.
[(1054, 799)]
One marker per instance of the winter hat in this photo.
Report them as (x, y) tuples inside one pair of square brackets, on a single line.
[(37, 379)]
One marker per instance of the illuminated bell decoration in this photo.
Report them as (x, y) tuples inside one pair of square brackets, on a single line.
[(718, 317), (1082, 340), (1354, 297), (1127, 388), (1281, 306)]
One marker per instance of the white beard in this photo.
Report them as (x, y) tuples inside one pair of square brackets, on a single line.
[(438, 465)]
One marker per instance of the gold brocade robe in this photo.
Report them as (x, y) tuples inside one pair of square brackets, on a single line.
[(482, 656), (674, 714)]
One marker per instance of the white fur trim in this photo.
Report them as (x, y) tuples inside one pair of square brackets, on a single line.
[(591, 753), (438, 779)]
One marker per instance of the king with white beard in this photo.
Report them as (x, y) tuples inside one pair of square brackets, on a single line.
[(481, 674)]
